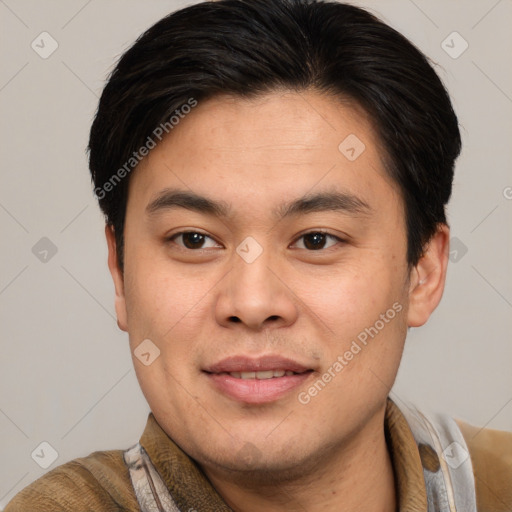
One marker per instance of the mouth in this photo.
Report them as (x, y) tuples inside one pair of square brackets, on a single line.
[(257, 381), (261, 375)]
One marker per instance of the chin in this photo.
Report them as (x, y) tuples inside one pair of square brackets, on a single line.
[(267, 465)]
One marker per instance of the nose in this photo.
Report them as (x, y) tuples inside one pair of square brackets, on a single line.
[(256, 294)]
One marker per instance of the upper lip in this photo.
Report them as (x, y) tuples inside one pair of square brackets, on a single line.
[(256, 364)]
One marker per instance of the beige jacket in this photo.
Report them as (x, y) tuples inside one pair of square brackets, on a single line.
[(101, 482)]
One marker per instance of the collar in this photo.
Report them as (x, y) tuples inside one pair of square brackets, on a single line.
[(190, 488)]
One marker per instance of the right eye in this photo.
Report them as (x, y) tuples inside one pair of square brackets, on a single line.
[(190, 239)]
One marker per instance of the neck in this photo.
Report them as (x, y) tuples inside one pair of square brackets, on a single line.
[(357, 475)]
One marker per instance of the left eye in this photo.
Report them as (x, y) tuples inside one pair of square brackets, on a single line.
[(315, 240)]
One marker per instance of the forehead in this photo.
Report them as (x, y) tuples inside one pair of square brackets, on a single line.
[(269, 148)]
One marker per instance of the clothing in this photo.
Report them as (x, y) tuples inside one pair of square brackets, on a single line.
[(101, 481)]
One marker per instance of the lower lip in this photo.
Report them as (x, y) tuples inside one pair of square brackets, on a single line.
[(257, 391)]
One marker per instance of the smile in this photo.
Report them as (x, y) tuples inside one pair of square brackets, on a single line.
[(257, 381), (267, 374)]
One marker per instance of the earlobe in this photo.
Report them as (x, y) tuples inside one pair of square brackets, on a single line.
[(428, 278), (117, 277)]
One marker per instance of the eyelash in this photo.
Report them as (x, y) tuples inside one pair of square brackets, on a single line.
[(316, 231)]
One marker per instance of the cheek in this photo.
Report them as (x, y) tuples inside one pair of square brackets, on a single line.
[(364, 350), (351, 299), (158, 295), (163, 307)]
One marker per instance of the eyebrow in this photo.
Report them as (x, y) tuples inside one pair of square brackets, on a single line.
[(343, 202)]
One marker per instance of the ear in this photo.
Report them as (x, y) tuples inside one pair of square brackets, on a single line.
[(117, 277), (428, 278)]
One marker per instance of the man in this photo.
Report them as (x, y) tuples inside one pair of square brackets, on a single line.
[(274, 176)]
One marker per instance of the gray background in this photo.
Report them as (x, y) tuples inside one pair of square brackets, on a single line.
[(66, 373)]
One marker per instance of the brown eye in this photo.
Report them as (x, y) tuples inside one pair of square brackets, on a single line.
[(316, 240), (191, 239)]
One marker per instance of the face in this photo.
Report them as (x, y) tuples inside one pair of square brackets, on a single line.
[(279, 302)]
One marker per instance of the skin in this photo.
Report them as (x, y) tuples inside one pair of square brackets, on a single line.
[(302, 303)]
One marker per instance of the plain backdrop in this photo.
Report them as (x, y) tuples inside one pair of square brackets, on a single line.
[(66, 375)]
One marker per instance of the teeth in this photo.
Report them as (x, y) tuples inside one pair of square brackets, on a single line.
[(267, 374)]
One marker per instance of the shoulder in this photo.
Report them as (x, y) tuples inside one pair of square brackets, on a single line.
[(99, 482), (491, 456)]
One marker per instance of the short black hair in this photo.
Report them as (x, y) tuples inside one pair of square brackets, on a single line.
[(250, 47)]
